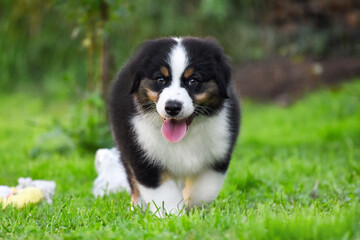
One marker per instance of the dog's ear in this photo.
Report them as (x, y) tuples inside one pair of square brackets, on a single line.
[(222, 73), (222, 67), (136, 69), (139, 62), (136, 77)]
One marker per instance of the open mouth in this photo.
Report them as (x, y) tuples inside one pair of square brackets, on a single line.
[(174, 129)]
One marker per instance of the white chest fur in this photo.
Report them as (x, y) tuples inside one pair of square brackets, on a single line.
[(206, 142)]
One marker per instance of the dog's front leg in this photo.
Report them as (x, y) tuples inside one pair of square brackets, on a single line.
[(203, 188), (164, 199)]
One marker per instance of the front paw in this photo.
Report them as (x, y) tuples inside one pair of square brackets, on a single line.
[(163, 200)]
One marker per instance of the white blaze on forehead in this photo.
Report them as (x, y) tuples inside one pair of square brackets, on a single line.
[(178, 61)]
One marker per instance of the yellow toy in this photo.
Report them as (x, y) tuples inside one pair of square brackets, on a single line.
[(18, 198), (28, 191)]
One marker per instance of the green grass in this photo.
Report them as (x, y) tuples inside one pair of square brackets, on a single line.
[(281, 154)]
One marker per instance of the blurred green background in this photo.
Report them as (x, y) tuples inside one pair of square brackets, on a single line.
[(45, 41), (295, 171), (71, 50)]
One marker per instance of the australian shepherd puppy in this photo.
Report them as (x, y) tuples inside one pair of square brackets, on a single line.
[(175, 119)]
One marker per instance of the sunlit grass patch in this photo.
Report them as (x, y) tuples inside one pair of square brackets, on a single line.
[(295, 174)]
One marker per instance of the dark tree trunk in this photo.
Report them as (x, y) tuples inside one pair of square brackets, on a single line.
[(106, 58)]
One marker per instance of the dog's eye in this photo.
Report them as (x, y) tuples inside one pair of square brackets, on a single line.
[(192, 82), (161, 80)]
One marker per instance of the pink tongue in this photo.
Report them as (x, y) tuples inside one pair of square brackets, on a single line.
[(173, 130)]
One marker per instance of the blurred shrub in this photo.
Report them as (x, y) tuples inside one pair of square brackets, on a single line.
[(56, 141), (85, 128), (87, 124)]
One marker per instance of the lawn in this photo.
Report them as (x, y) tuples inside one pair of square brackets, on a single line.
[(269, 192)]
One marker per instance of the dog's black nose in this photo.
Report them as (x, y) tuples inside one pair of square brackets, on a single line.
[(173, 107)]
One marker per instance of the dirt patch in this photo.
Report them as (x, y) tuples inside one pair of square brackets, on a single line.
[(284, 80)]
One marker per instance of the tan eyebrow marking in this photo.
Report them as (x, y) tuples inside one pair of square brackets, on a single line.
[(188, 72), (164, 71)]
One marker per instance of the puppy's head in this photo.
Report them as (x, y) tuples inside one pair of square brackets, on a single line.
[(180, 79)]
